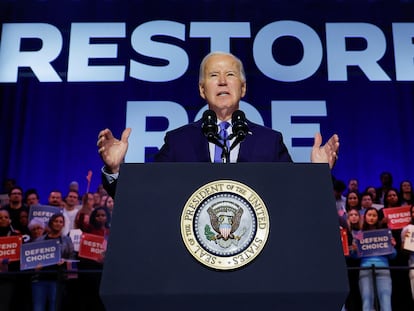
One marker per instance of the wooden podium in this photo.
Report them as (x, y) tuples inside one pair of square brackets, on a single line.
[(148, 267)]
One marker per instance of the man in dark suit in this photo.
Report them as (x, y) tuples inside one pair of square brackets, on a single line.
[(222, 83)]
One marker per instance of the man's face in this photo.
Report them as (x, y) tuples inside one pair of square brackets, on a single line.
[(16, 196), (72, 198), (366, 201), (32, 199), (353, 185), (55, 198), (222, 86)]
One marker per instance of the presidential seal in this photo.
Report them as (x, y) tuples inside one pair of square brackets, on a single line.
[(225, 224)]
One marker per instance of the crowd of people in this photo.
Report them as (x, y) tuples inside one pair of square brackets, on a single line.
[(71, 284), (377, 282), (390, 285)]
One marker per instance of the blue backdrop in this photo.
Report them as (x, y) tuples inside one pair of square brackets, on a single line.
[(341, 67)]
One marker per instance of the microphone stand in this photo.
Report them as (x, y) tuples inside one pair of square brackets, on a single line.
[(225, 153)]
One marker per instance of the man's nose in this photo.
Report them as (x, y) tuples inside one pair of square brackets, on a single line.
[(222, 80)]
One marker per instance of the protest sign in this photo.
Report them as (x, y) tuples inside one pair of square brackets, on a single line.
[(374, 242), (10, 248), (92, 246), (41, 253), (398, 217)]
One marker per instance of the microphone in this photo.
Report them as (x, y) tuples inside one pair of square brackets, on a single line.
[(239, 125), (209, 125)]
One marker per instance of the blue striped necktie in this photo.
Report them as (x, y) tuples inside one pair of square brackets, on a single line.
[(223, 135)]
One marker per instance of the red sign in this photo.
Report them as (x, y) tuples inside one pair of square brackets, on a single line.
[(10, 248), (344, 240), (398, 217), (92, 246)]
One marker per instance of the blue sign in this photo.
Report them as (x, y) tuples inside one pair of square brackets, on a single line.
[(374, 243), (40, 253)]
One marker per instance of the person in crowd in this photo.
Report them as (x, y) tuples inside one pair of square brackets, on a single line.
[(96, 199), (55, 198), (339, 188), (15, 206), (406, 193), (386, 183), (99, 224), (8, 183), (46, 288), (109, 204), (352, 201), (82, 217), (104, 197), (74, 186), (375, 201), (353, 301), (366, 202), (408, 233), (353, 185), (70, 211), (383, 282), (399, 277), (37, 228), (8, 284), (391, 198), (222, 83), (23, 227), (31, 197), (101, 190)]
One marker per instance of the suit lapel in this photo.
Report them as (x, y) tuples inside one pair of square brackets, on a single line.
[(201, 147)]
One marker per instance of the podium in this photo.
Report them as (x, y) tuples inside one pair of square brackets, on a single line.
[(148, 267)]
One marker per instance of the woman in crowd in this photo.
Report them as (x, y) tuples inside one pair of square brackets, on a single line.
[(99, 223), (382, 276), (399, 277), (8, 286), (352, 201), (353, 301), (36, 228), (109, 204), (45, 290), (406, 193), (82, 217)]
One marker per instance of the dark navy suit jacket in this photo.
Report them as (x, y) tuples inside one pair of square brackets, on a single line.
[(188, 144)]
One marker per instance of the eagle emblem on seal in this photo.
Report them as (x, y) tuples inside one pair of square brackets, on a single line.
[(225, 221)]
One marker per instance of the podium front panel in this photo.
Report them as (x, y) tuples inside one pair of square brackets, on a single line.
[(148, 267)]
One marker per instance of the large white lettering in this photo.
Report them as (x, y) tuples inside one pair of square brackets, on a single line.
[(12, 57), (339, 58), (312, 55), (220, 33), (403, 34), (162, 60), (82, 50), (142, 42)]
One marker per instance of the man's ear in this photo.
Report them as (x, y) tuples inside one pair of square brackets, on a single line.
[(243, 89), (201, 90)]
